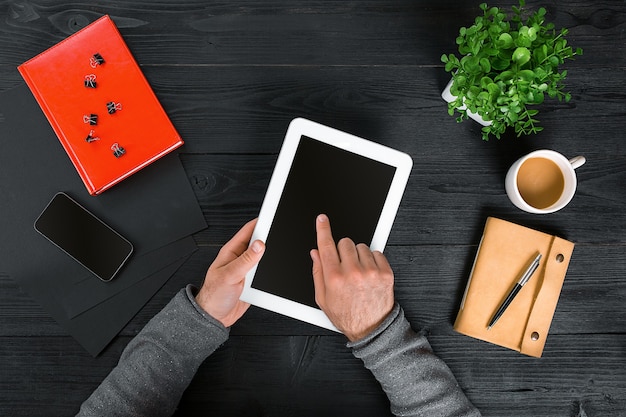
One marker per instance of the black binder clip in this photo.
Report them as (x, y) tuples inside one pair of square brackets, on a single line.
[(90, 137), (91, 119), (96, 60), (113, 107), (117, 150), (90, 81)]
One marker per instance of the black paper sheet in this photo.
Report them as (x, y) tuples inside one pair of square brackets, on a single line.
[(155, 209), (75, 303)]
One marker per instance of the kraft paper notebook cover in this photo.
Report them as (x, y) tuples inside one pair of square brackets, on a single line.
[(505, 251), (100, 105)]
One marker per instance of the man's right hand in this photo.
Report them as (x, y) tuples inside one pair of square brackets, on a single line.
[(353, 285)]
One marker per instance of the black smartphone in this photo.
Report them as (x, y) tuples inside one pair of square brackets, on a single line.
[(83, 236)]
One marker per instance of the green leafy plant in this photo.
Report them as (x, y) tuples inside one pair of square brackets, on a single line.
[(507, 66)]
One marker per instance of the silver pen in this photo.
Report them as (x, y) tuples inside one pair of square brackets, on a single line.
[(518, 286)]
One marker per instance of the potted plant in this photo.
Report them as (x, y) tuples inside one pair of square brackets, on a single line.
[(507, 66)]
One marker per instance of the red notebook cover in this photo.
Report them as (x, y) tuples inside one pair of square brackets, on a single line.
[(93, 73)]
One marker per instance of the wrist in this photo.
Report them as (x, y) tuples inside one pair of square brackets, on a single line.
[(396, 311), (362, 333), (202, 300), (192, 294), (356, 336)]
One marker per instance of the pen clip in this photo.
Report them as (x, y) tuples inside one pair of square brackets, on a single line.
[(530, 270)]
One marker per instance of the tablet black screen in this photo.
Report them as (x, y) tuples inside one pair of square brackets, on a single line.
[(349, 188)]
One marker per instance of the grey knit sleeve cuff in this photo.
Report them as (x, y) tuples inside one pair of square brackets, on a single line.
[(184, 319)]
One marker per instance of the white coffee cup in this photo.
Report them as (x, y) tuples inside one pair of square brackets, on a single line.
[(543, 181)]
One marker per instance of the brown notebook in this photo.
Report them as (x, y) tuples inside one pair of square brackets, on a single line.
[(504, 253)]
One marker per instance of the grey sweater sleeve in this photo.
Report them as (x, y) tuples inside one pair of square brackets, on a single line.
[(159, 363), (416, 381)]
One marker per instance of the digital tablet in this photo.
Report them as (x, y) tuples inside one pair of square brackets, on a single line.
[(357, 183)]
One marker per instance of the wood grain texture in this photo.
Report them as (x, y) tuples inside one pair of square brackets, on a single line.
[(430, 280), (380, 32), (232, 75), (464, 191), (317, 375)]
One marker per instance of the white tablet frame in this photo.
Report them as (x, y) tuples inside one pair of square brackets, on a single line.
[(302, 127)]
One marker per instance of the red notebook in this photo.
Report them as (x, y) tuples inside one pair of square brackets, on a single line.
[(100, 105)]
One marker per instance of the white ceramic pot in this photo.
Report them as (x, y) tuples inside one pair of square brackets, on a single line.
[(448, 97)]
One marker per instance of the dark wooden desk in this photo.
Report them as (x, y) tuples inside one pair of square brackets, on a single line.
[(232, 75)]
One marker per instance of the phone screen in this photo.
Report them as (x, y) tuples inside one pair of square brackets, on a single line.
[(84, 237)]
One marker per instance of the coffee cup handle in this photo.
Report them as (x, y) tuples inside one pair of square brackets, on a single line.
[(577, 161)]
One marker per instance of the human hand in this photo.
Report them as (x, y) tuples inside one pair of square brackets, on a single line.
[(224, 281), (353, 285)]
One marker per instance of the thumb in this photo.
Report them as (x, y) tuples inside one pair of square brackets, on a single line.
[(239, 267)]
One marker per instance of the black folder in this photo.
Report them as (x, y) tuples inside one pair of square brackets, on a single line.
[(156, 209)]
